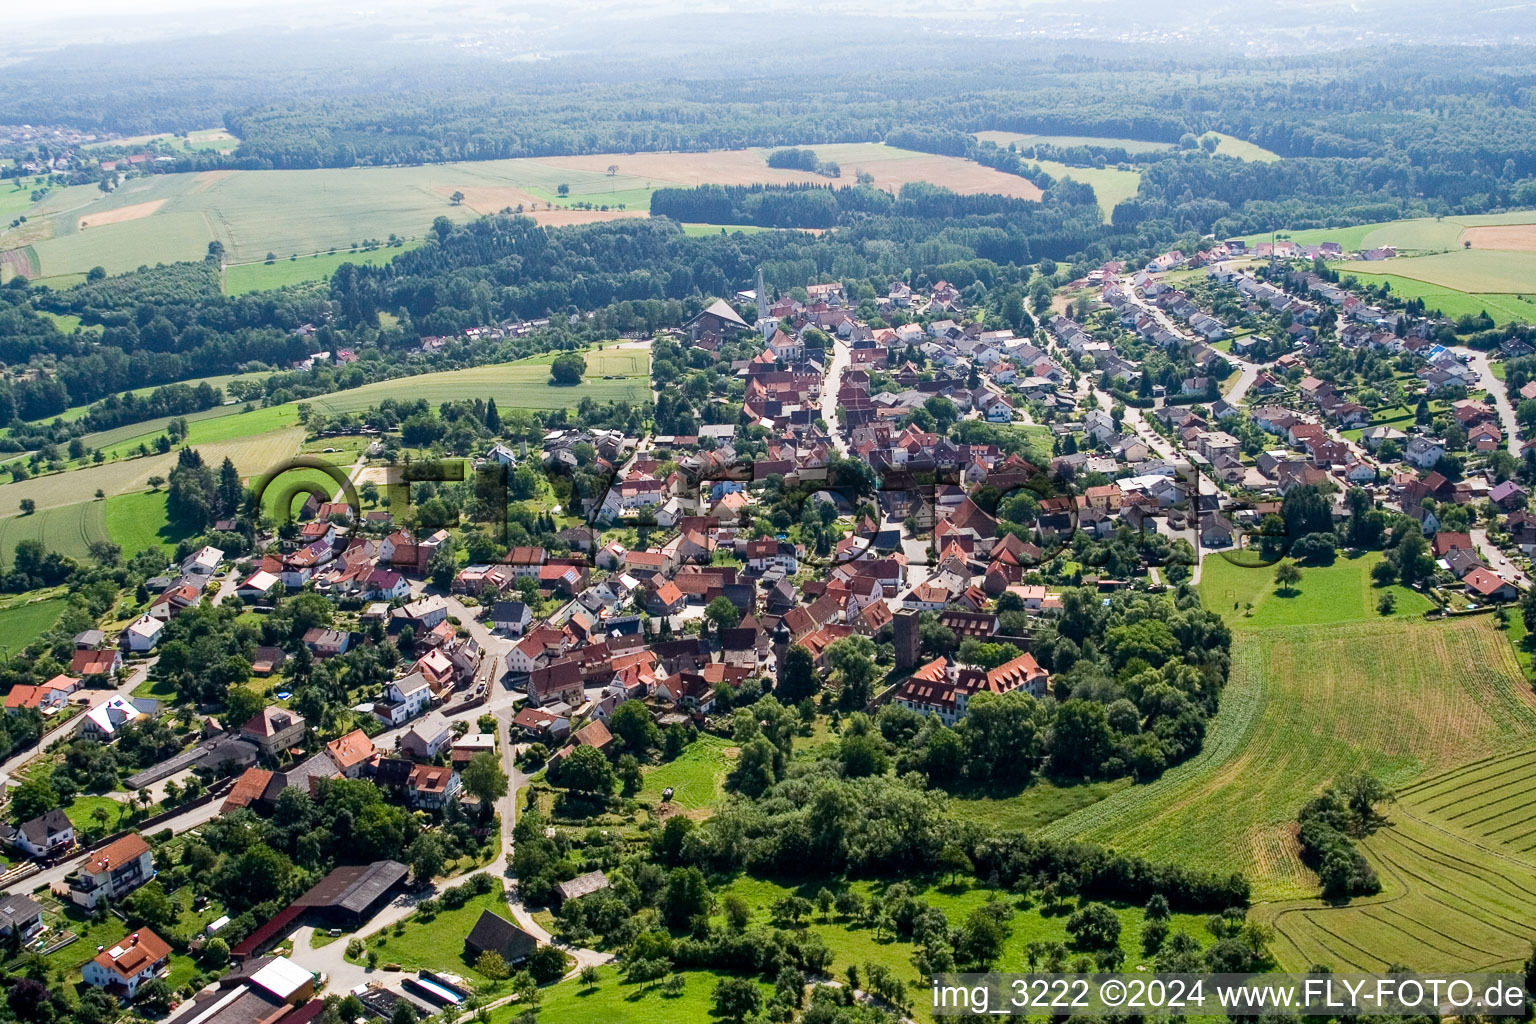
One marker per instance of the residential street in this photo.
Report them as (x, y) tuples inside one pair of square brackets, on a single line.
[(1500, 394)]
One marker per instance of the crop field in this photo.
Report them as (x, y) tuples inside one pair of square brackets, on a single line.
[(20, 624), (1458, 878), (68, 529), (240, 278), (697, 776), (254, 213), (1467, 270), (1305, 705), (1326, 595)]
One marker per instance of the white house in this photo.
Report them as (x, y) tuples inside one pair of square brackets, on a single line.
[(127, 964), (144, 633), (103, 721), (203, 562), (427, 736), (257, 586), (404, 699)]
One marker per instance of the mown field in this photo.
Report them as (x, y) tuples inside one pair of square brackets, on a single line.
[(1110, 185), (1458, 880), (67, 529), (697, 776), (138, 521), (169, 217), (1452, 303), (219, 381), (1306, 704), (240, 278), (616, 1001)]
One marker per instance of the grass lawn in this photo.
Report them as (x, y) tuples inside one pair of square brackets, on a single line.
[(80, 812), (697, 775), (615, 1001), (438, 944), (1326, 595), (138, 521), (22, 624)]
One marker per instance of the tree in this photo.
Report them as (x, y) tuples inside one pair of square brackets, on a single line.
[(953, 861), (686, 897), (1287, 576), (457, 198), (588, 977), (736, 998), (155, 482), (1094, 927), (562, 189), (33, 798), (722, 613), (852, 661), (240, 706), (587, 771), (28, 506), (631, 722), (567, 369), (797, 676), (484, 780), (427, 856), (491, 964)]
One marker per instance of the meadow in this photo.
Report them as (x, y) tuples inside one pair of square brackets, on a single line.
[(696, 776), (615, 1001), (138, 521), (22, 622), (1453, 303), (520, 385), (240, 278), (1110, 185), (1327, 595), (222, 380), (171, 217)]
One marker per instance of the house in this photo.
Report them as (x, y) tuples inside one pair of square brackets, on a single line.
[(1508, 495), (404, 699), (495, 934), (43, 836), (1423, 452), (426, 737), (1488, 586), (581, 885), (351, 753), (510, 617), (96, 663), (143, 634), (432, 787), (102, 721), (52, 694), (274, 729), (20, 915), (258, 586), (127, 964), (666, 599), (1215, 532), (112, 872), (202, 562), (327, 643)]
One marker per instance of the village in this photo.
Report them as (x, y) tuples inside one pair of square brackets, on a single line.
[(905, 497)]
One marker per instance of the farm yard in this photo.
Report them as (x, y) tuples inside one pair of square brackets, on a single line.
[(171, 217)]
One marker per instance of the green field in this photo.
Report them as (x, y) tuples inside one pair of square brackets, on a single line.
[(222, 380), (697, 775), (700, 230), (1023, 140), (855, 943), (215, 140), (1327, 595), (240, 278), (521, 385), (1466, 270), (1458, 870), (1243, 150), (615, 1001), (138, 521), (1110, 186), (23, 623), (438, 943), (1035, 807), (69, 529)]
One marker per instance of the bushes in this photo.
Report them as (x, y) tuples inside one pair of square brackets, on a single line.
[(1327, 823)]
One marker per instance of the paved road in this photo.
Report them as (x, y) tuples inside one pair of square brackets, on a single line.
[(65, 731), (829, 388)]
